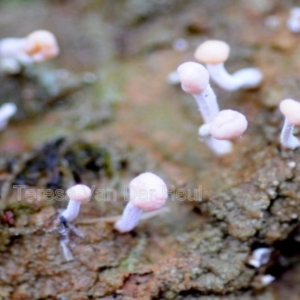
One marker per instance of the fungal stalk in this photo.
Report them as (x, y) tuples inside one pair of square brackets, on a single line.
[(213, 54), (147, 192), (39, 46), (291, 111), (194, 80), (227, 125)]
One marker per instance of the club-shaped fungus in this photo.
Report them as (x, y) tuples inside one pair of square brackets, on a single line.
[(77, 194), (194, 80), (147, 192), (39, 46), (214, 53), (291, 111)]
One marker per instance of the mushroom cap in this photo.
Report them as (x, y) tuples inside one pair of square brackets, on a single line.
[(291, 110), (148, 192), (79, 192), (228, 124), (212, 52), (41, 45), (194, 77)]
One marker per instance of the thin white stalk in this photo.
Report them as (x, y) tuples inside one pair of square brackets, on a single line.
[(287, 139), (209, 108), (130, 218), (244, 78), (219, 147), (207, 104), (72, 210)]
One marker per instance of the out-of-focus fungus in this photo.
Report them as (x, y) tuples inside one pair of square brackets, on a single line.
[(260, 257), (291, 111), (213, 53), (7, 110), (293, 22), (39, 46)]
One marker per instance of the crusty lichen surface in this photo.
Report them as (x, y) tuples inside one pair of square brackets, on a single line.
[(199, 249)]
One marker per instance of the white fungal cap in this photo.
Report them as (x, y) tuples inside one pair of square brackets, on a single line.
[(148, 192), (212, 52), (291, 110), (228, 124), (259, 257), (79, 192), (267, 279), (41, 45), (194, 77)]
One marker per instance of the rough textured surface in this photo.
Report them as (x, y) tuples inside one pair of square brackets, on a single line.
[(132, 121)]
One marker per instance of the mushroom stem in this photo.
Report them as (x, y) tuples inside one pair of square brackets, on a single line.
[(287, 138), (130, 218), (72, 210), (207, 104), (242, 79), (219, 147), (209, 108)]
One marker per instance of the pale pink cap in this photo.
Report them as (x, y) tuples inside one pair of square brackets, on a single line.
[(212, 52), (41, 45), (194, 77), (291, 110), (228, 125), (148, 192), (79, 192)]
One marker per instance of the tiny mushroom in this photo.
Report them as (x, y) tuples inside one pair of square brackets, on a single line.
[(77, 194), (213, 53), (260, 257), (147, 192), (291, 110), (293, 22), (39, 46), (195, 81), (7, 110), (267, 279), (227, 125)]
